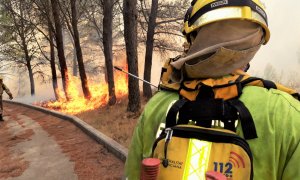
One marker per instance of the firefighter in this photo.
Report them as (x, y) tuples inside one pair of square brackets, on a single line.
[(224, 36), (3, 87)]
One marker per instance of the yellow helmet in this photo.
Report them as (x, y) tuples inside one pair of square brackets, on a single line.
[(203, 12)]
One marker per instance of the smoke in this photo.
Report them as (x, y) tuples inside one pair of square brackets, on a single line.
[(32, 99), (282, 51), (44, 92), (20, 88)]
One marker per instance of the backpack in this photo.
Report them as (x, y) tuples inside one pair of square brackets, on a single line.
[(199, 134)]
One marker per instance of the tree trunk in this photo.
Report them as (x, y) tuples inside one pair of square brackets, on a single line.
[(28, 64), (130, 34), (147, 92), (52, 61), (107, 44), (30, 73), (60, 47), (75, 66), (26, 51), (84, 81)]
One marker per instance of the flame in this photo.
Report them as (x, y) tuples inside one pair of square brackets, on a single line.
[(99, 95)]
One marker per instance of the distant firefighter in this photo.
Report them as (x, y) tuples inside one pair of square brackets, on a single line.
[(3, 87)]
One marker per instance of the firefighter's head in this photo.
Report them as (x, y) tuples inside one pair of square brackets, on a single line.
[(223, 35)]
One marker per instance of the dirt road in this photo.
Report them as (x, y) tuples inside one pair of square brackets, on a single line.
[(35, 145)]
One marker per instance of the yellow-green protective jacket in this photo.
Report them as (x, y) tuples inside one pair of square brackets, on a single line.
[(276, 151)]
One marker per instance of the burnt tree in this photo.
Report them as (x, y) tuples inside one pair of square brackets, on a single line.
[(52, 60), (83, 77), (130, 35), (107, 44), (60, 46), (147, 92), (45, 11)]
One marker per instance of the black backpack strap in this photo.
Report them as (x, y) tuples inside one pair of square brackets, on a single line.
[(269, 84), (245, 117), (239, 85), (205, 92), (172, 113), (296, 96), (249, 80), (204, 111)]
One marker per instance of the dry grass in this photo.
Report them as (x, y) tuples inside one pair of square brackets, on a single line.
[(114, 121)]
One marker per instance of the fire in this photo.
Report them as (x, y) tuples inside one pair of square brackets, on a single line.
[(99, 93)]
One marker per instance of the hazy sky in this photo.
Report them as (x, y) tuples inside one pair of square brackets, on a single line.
[(283, 49)]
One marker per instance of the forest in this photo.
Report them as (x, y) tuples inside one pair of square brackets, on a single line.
[(53, 41)]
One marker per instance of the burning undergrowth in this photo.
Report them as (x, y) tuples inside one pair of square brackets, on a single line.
[(77, 103)]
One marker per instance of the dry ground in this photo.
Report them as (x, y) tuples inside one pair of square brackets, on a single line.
[(114, 121), (11, 165), (91, 159)]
